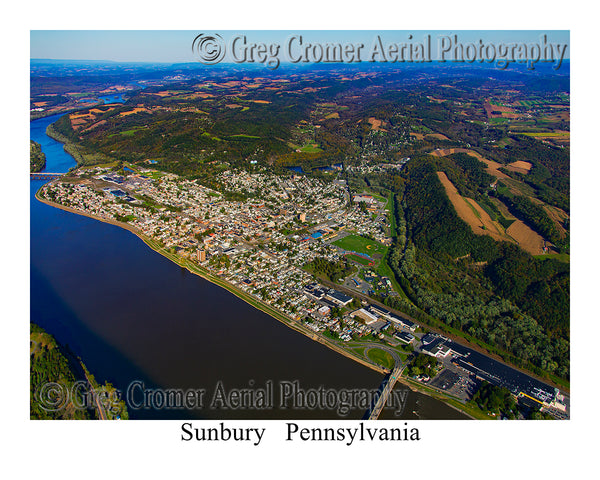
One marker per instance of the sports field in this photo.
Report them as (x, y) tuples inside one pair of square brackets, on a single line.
[(356, 243)]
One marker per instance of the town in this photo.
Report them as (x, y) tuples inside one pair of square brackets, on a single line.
[(266, 234), (258, 245)]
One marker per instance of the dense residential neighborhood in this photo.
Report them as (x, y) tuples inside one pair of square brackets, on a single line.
[(259, 245)]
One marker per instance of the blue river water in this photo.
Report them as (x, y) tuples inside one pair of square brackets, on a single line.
[(136, 318)]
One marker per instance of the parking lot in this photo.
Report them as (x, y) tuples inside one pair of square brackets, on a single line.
[(455, 382)]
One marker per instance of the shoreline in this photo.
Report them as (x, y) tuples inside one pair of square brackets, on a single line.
[(256, 303)]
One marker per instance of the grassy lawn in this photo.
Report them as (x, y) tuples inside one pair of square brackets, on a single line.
[(126, 133), (212, 137), (384, 270), (401, 353), (129, 133), (381, 357), (379, 198), (360, 351), (562, 257), (363, 261), (309, 148), (154, 175)]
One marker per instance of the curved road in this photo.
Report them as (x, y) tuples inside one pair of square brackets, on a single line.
[(371, 345)]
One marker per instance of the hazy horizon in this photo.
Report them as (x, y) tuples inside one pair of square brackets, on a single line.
[(164, 46)]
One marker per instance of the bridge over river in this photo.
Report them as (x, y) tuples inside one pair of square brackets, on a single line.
[(388, 386), (44, 175)]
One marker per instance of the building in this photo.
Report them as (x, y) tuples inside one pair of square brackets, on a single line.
[(315, 291), (338, 297), (377, 310), (368, 317), (436, 348), (404, 337), (402, 322), (363, 198), (428, 338), (302, 217), (408, 324), (201, 255)]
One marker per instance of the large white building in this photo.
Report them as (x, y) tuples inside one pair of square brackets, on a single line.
[(368, 317)]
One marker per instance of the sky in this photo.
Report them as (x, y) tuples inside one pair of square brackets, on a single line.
[(174, 46)]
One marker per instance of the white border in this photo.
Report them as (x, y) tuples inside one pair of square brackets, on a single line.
[(153, 449)]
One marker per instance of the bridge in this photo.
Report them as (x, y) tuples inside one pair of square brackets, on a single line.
[(44, 176), (389, 383)]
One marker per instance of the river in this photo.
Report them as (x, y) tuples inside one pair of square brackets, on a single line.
[(133, 316)]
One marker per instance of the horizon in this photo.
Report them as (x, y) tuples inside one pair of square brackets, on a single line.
[(164, 46)]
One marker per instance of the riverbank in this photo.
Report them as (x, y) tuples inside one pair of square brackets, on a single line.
[(82, 158)]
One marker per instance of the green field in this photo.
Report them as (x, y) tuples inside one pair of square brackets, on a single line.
[(544, 134), (243, 135), (562, 257), (126, 133), (361, 260), (356, 243), (381, 357), (309, 148)]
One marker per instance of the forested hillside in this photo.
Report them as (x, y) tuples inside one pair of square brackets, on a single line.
[(491, 290)]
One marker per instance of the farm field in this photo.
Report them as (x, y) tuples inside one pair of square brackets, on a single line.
[(376, 124), (560, 137), (492, 167), (519, 166), (438, 136), (481, 223), (472, 213), (559, 217), (515, 186), (526, 238)]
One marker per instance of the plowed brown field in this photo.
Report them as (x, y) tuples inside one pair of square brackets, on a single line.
[(526, 238), (480, 222), (519, 166)]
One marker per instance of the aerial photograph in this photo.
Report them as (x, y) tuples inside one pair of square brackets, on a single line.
[(299, 225)]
